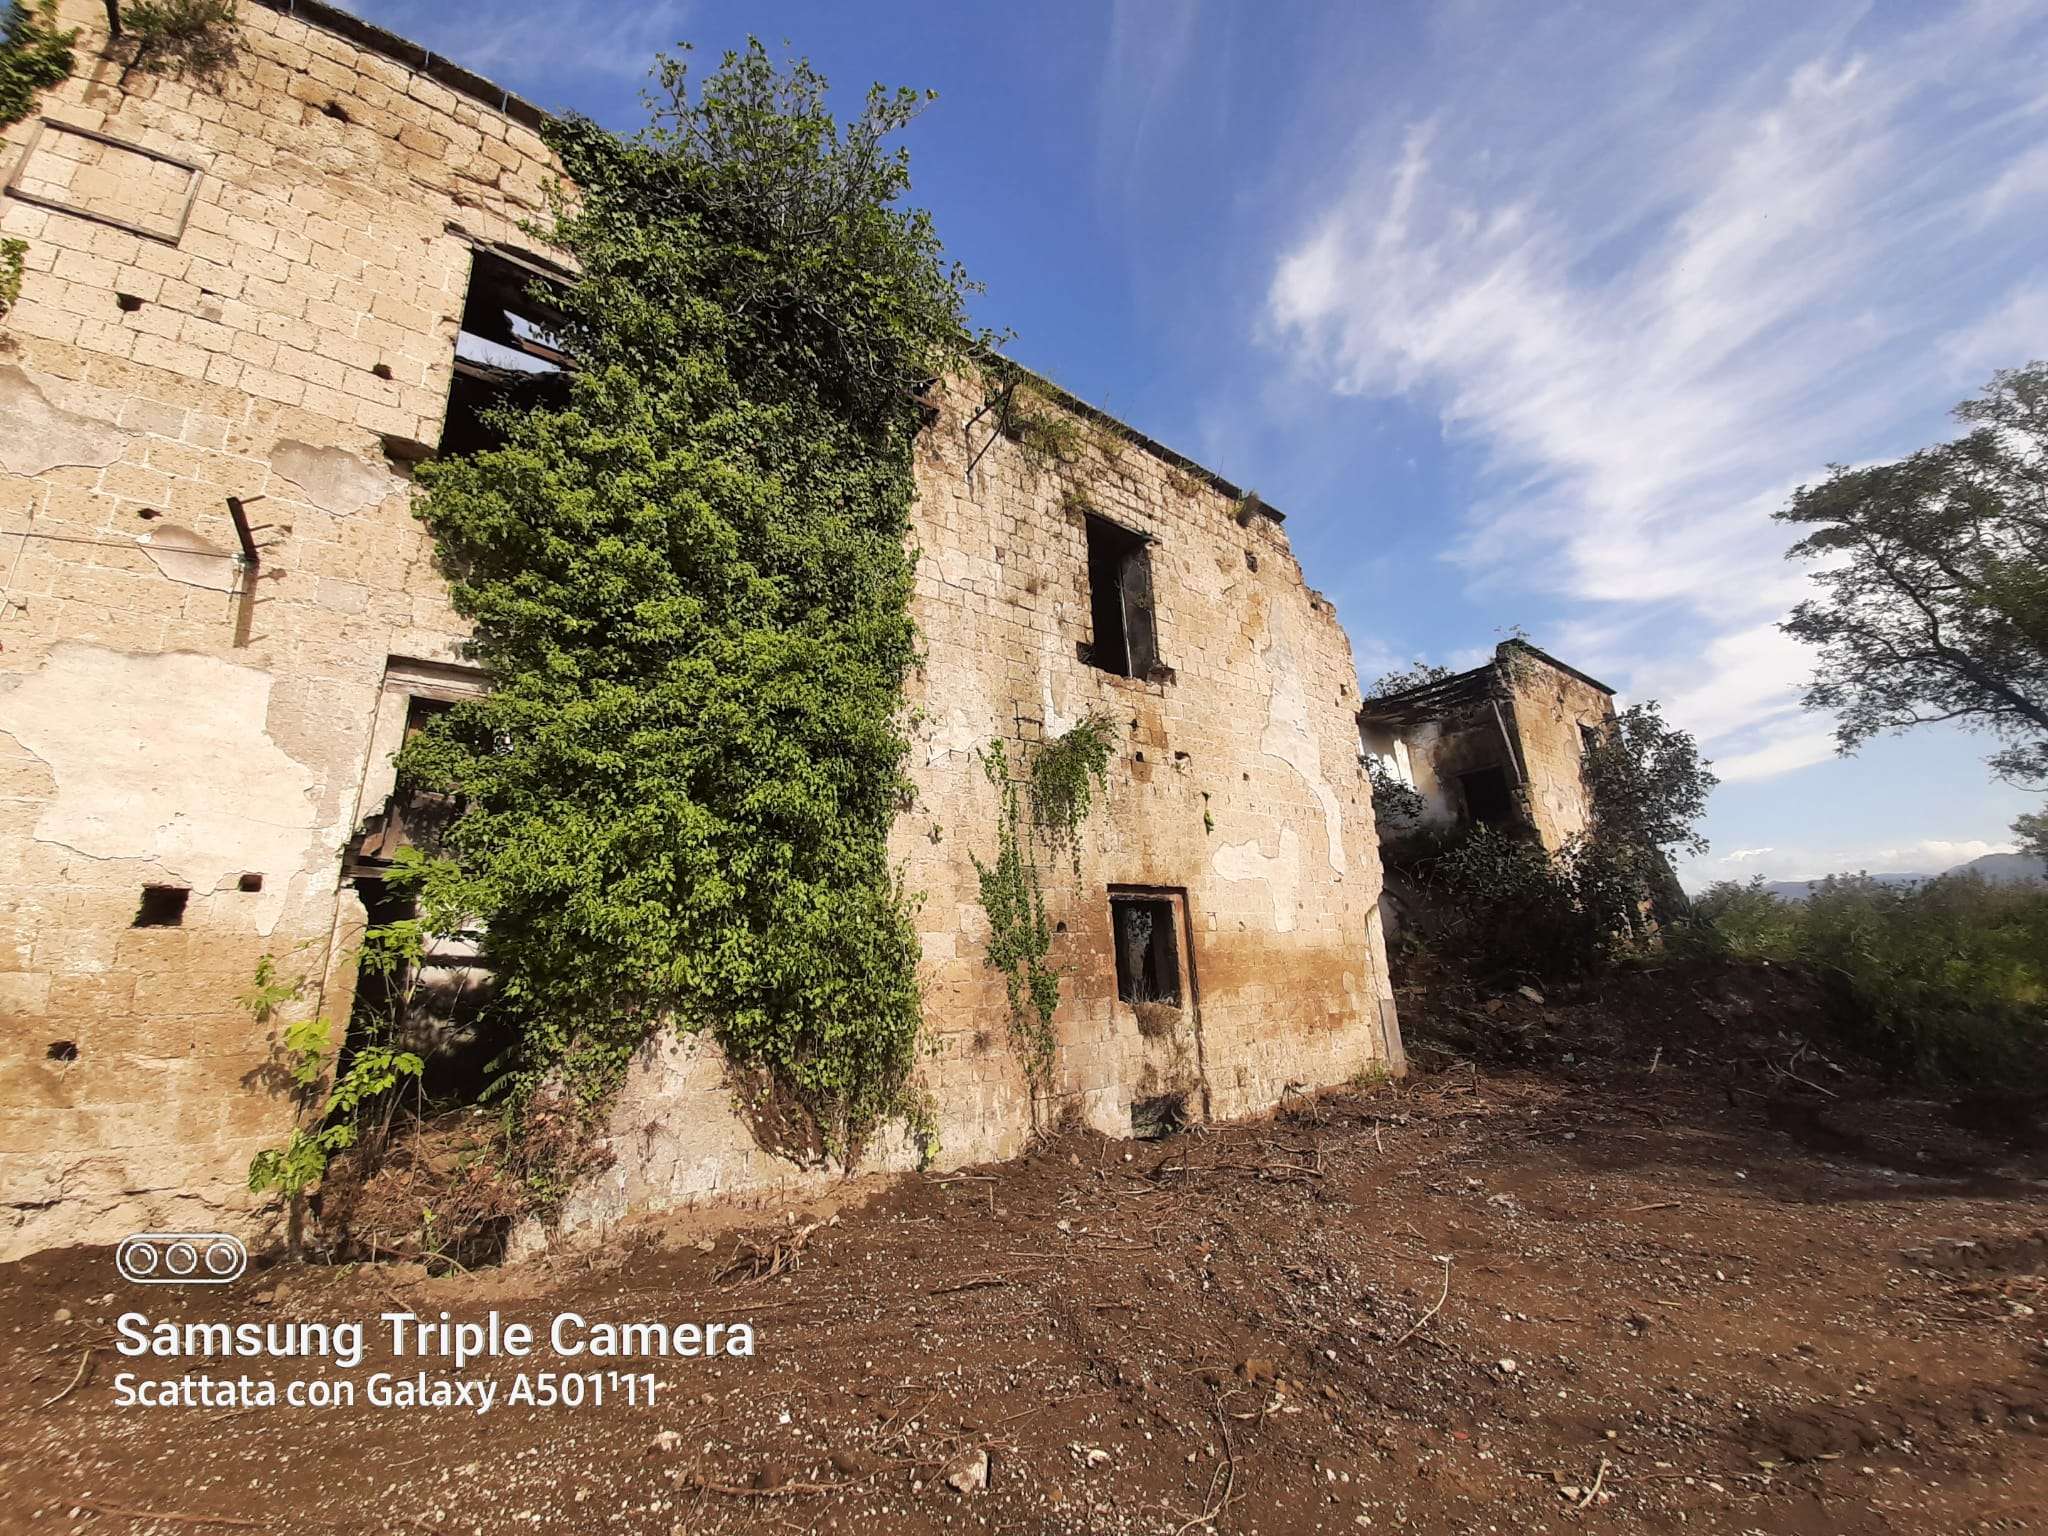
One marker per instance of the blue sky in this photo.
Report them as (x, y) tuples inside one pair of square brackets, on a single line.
[(1524, 315)]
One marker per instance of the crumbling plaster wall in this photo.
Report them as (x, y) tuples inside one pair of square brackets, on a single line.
[(308, 310), (1437, 751), (1237, 781), (1550, 710)]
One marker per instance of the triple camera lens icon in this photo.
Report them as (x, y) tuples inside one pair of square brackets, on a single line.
[(181, 1258)]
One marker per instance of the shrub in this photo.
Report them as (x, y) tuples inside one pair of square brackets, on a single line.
[(1947, 979), (1520, 910)]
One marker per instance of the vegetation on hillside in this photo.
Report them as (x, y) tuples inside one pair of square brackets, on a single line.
[(1947, 979)]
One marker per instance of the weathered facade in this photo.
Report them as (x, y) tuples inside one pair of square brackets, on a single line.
[(250, 304), (1503, 743)]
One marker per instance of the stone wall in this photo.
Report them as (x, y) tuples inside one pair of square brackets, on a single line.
[(1551, 710), (152, 730), (284, 334), (1237, 790)]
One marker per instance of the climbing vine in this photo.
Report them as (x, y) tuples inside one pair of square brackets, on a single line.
[(33, 56), (13, 255), (690, 586), (1044, 807)]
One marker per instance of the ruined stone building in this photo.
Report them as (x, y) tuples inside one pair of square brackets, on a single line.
[(250, 304), (1500, 744)]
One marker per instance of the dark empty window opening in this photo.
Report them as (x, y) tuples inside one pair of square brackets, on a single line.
[(1147, 957), (505, 353), (1120, 600), (62, 1050), (128, 303), (1487, 797), (163, 906), (249, 882), (419, 709), (1589, 738)]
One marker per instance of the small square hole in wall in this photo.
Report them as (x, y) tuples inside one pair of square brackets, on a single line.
[(62, 1050), (250, 882), (163, 906)]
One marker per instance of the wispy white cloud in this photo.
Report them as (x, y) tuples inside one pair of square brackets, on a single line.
[(510, 40), (2020, 322), (1660, 295), (1150, 48)]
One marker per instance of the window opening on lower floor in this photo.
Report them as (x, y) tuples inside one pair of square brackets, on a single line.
[(1147, 956)]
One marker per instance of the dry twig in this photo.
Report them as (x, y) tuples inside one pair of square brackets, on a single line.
[(84, 1361), (172, 1517), (1423, 1320)]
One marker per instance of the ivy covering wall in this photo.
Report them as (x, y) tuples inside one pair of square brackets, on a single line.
[(690, 586)]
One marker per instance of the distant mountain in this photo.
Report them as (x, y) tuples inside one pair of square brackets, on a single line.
[(1993, 868), (2006, 869), (1799, 890)]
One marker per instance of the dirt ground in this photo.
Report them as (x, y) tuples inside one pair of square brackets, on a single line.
[(1539, 1287)]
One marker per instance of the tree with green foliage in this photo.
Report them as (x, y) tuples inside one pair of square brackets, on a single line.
[(1414, 675), (177, 37), (1647, 783), (34, 55), (690, 586), (2032, 831), (1934, 574)]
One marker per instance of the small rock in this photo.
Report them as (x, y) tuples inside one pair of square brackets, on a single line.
[(1531, 994), (528, 1239), (968, 1473), (61, 1315), (706, 1245), (1260, 1371), (1508, 1367), (667, 1440)]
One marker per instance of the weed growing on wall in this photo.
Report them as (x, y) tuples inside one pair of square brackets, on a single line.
[(337, 1087), (33, 56), (13, 255), (179, 36), (690, 586), (1043, 807)]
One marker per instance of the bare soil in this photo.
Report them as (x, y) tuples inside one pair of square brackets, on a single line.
[(1537, 1288)]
